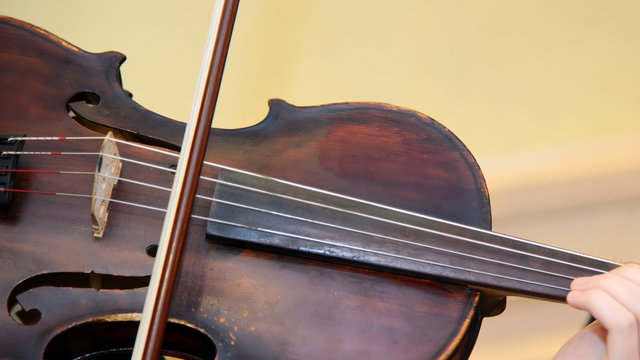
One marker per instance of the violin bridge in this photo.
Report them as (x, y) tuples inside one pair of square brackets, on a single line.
[(106, 177)]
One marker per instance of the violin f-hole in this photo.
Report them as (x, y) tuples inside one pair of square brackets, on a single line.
[(113, 337), (88, 97), (90, 280)]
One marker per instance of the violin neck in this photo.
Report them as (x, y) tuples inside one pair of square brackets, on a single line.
[(319, 224)]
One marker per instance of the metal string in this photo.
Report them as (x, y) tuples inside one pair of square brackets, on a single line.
[(461, 238), (289, 216), (326, 242), (309, 188), (308, 202)]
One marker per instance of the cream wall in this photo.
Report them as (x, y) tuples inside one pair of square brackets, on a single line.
[(545, 93)]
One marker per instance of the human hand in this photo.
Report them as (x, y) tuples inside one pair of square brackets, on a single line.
[(614, 300)]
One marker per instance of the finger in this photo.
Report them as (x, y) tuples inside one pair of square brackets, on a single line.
[(629, 271), (618, 286), (621, 324), (622, 283)]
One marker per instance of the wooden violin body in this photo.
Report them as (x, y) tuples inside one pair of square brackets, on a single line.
[(239, 303)]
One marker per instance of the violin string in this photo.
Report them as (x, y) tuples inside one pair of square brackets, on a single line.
[(90, 173), (315, 240), (299, 218), (333, 208), (319, 204), (367, 233), (73, 153), (313, 189), (357, 248), (39, 192), (402, 224)]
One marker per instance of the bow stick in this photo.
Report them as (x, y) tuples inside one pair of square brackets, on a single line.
[(165, 269)]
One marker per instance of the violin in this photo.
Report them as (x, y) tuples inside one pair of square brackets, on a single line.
[(352, 230)]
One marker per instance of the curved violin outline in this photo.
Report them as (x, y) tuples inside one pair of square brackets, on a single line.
[(73, 280), (113, 336)]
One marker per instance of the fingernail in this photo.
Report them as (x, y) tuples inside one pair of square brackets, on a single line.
[(573, 294)]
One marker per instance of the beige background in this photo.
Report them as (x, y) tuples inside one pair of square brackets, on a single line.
[(545, 93)]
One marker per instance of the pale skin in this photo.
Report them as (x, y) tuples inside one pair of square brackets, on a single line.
[(613, 299)]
